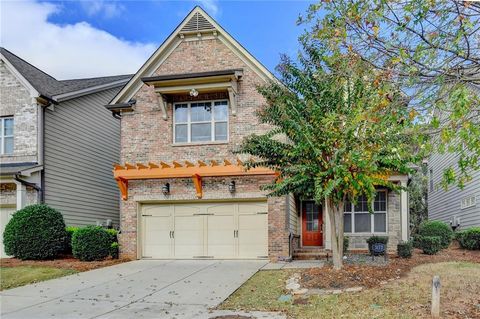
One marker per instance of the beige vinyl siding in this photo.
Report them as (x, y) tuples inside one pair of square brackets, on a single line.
[(82, 140), (444, 205)]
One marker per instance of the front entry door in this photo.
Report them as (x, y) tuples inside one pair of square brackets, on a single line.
[(312, 222)]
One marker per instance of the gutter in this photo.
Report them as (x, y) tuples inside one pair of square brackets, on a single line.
[(33, 185)]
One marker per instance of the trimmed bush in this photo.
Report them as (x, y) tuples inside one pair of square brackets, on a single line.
[(35, 232), (405, 249), (437, 228), (469, 238), (91, 243), (346, 243), (416, 241), (431, 244), (68, 239), (114, 250), (113, 235), (376, 239)]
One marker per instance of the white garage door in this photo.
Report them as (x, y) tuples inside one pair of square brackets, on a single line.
[(205, 230), (5, 215)]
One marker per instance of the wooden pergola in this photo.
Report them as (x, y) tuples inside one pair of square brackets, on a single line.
[(183, 169)]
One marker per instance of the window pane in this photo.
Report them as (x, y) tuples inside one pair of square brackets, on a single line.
[(347, 223), (181, 133), (201, 112), (347, 207), (181, 113), (8, 145), (201, 132), (221, 111), (363, 223), (380, 222), (8, 127), (220, 131)]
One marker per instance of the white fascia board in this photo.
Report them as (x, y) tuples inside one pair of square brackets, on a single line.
[(31, 90), (90, 90)]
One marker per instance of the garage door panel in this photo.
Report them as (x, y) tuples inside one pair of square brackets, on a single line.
[(188, 240), (221, 209), (158, 210), (220, 239), (185, 209), (252, 208), (5, 216), (157, 237), (252, 235)]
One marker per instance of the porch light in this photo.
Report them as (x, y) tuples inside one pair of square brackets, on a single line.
[(231, 187), (193, 93), (166, 189)]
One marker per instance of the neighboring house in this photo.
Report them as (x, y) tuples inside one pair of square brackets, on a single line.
[(458, 207), (57, 143), (185, 192)]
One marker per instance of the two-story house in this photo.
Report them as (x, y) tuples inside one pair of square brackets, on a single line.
[(185, 192), (57, 143)]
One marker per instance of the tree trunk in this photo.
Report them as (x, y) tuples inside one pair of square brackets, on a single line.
[(335, 214)]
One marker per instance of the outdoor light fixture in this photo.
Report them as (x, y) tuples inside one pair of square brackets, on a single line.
[(166, 189), (231, 187), (193, 93)]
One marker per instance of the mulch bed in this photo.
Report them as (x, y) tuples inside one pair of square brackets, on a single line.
[(371, 276), (64, 262)]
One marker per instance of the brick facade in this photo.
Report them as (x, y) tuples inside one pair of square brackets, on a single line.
[(16, 101), (145, 137)]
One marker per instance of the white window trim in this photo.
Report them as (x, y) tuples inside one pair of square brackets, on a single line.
[(3, 136), (189, 123), (352, 212)]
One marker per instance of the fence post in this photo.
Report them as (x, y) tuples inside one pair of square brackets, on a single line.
[(436, 297)]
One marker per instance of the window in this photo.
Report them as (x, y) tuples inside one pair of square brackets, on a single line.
[(467, 202), (6, 135), (200, 122), (312, 210), (357, 219)]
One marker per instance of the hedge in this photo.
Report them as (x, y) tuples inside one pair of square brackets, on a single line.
[(437, 228), (346, 243), (405, 249), (35, 232), (430, 244), (91, 243), (68, 239), (469, 238)]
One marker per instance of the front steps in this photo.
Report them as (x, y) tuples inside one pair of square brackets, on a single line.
[(307, 253)]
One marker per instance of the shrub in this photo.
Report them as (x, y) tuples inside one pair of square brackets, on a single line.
[(431, 244), (405, 249), (376, 239), (114, 250), (469, 238), (35, 232), (113, 235), (437, 228), (68, 239), (416, 241), (346, 243), (91, 243)]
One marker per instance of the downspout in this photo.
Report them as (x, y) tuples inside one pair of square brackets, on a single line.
[(287, 224), (33, 185)]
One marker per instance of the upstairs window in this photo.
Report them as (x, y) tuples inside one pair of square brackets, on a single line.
[(6, 135), (357, 218), (200, 122)]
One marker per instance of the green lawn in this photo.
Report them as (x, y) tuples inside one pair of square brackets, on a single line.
[(404, 298), (11, 277)]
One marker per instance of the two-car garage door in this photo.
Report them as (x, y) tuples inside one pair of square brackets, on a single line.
[(205, 230)]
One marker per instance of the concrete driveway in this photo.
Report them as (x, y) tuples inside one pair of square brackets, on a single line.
[(137, 289)]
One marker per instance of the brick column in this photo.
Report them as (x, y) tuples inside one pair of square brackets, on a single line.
[(277, 229)]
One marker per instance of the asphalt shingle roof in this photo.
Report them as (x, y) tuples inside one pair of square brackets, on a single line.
[(49, 86)]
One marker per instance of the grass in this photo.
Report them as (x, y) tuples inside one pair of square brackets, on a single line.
[(11, 277), (408, 297)]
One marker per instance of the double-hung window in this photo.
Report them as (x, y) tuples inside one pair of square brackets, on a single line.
[(357, 218), (6, 135), (200, 122)]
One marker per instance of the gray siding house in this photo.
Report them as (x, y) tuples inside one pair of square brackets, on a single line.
[(57, 143), (458, 207)]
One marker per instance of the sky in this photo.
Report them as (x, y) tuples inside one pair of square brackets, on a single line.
[(78, 39)]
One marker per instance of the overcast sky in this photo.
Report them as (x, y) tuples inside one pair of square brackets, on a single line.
[(76, 39)]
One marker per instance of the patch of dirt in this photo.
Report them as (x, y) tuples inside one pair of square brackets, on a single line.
[(64, 262), (372, 276)]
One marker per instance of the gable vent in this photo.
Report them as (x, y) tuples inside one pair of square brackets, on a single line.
[(197, 23)]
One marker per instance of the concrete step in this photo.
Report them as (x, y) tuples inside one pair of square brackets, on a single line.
[(310, 255)]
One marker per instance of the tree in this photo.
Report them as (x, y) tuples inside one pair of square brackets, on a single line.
[(418, 195), (338, 132), (431, 49)]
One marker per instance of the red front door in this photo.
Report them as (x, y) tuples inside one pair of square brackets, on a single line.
[(312, 224)]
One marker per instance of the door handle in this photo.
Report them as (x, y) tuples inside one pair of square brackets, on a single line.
[(173, 234)]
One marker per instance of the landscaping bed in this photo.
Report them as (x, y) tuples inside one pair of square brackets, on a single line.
[(62, 262), (354, 275)]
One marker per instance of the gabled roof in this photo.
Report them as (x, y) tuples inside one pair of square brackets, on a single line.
[(50, 87), (197, 21)]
